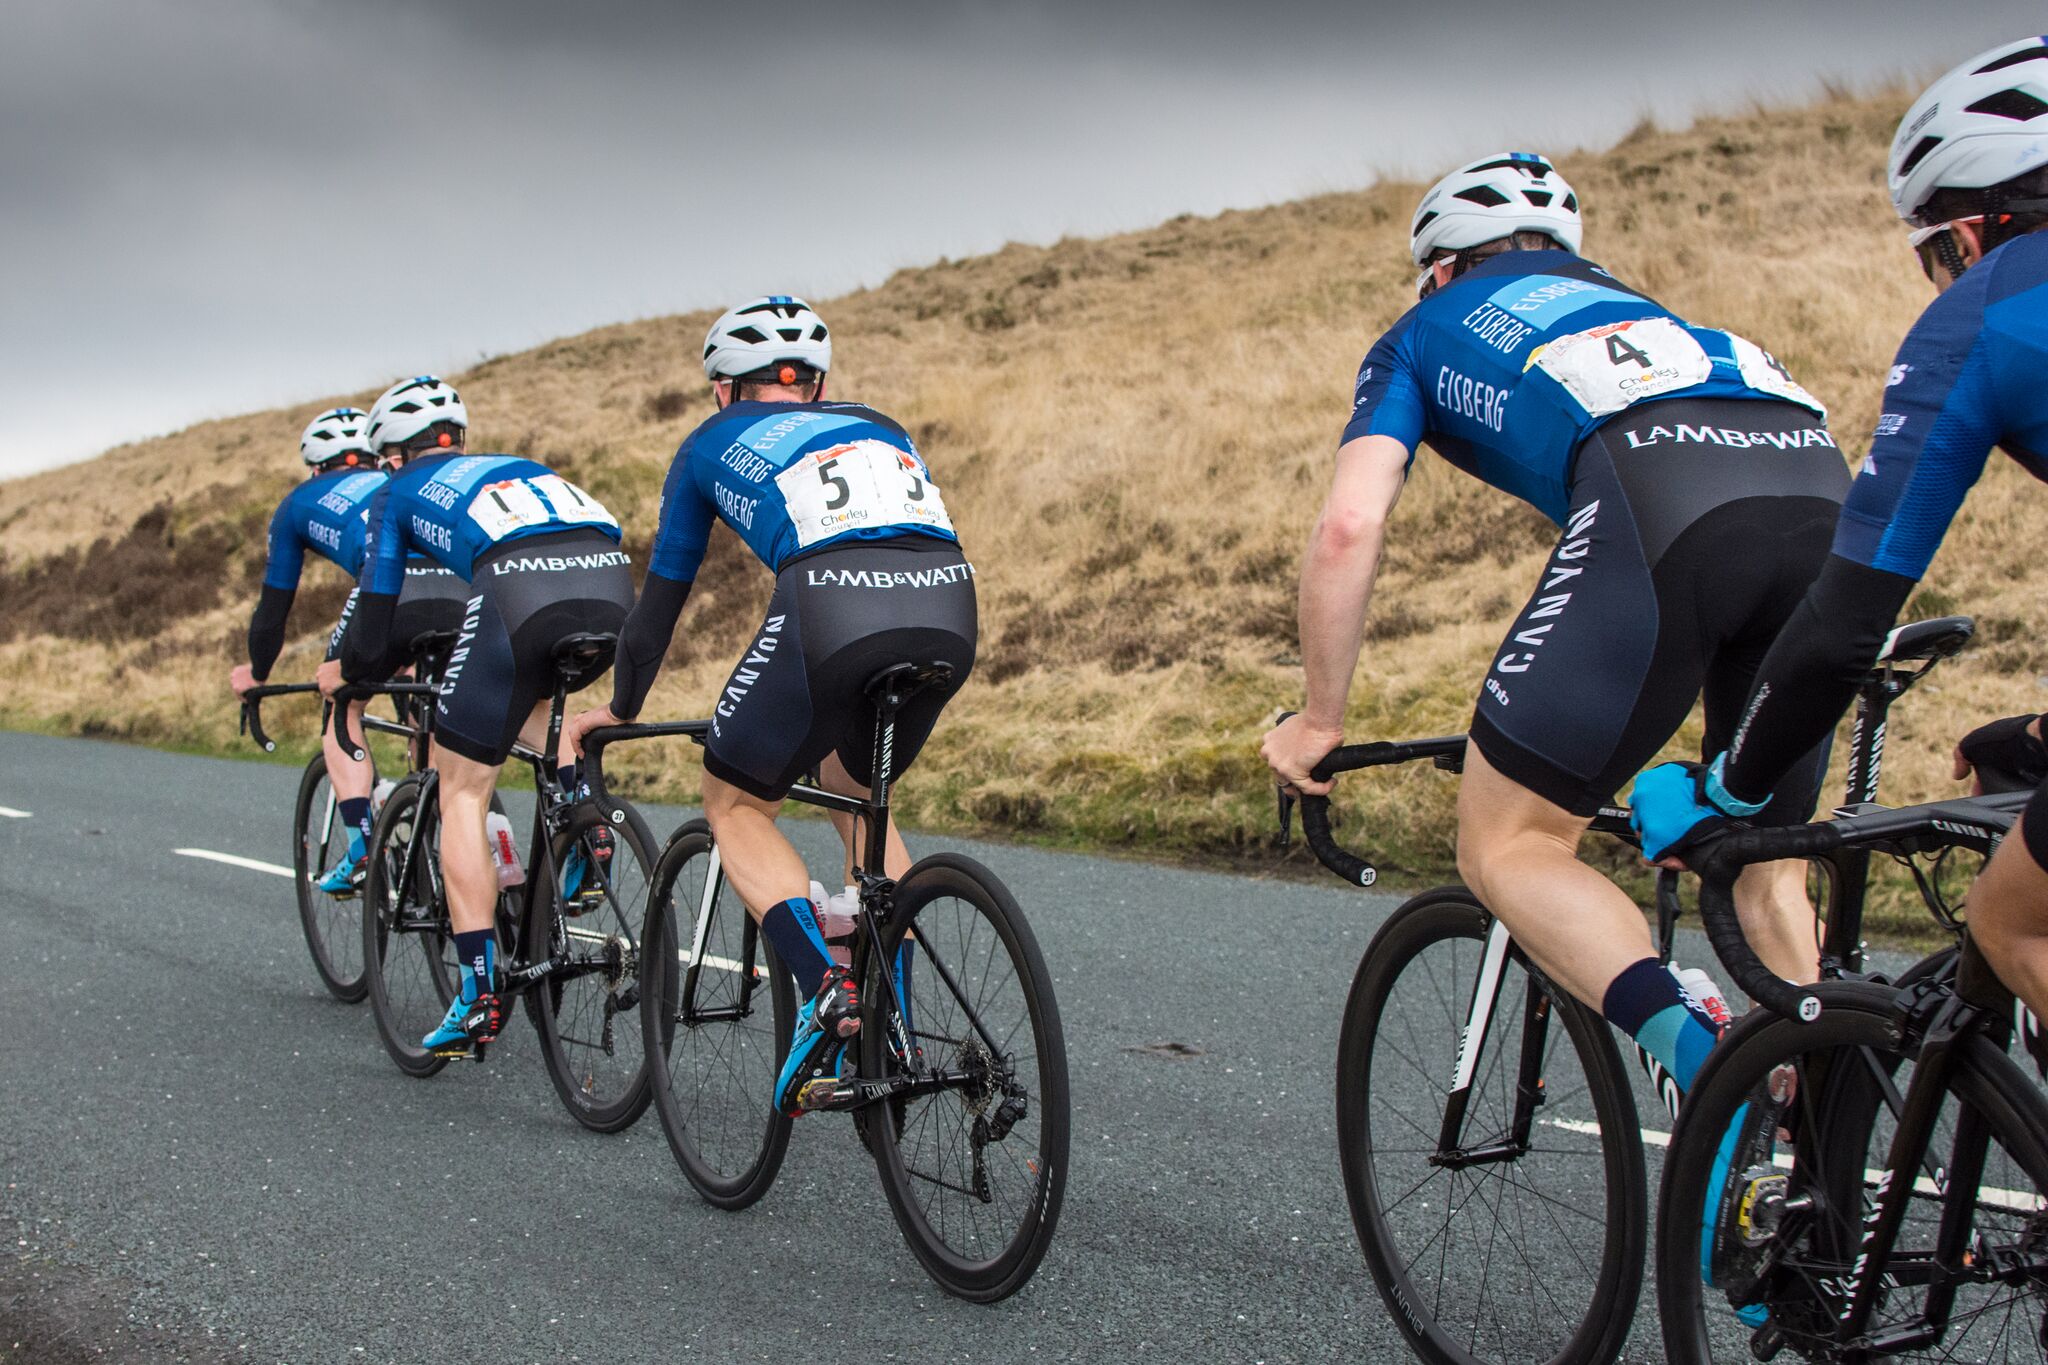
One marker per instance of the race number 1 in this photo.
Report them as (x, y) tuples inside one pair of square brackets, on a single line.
[(515, 504), (864, 485)]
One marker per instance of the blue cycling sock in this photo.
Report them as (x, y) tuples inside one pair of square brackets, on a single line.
[(355, 817), (1645, 1003), (905, 954), (792, 927), (476, 950)]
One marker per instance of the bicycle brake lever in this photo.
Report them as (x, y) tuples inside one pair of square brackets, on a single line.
[(1286, 837)]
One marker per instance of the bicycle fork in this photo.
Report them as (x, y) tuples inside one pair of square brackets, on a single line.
[(1536, 1017)]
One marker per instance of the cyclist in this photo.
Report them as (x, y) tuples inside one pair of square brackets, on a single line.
[(543, 562), (836, 501), (1968, 172), (327, 515), (1672, 457)]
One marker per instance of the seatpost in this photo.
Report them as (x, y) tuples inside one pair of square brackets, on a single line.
[(884, 774), (1866, 736), (555, 707)]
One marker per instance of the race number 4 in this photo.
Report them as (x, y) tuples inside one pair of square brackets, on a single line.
[(515, 504), (1605, 369), (861, 486)]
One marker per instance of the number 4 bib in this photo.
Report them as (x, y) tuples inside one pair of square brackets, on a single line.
[(1607, 368), (861, 486)]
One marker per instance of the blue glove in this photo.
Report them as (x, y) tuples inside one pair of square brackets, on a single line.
[(1677, 806)]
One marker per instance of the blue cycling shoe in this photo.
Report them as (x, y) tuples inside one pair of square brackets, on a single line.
[(471, 1022), (1746, 1198), (816, 1051), (576, 868), (345, 878)]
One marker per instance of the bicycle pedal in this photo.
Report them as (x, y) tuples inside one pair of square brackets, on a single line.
[(826, 1093), (1761, 1205)]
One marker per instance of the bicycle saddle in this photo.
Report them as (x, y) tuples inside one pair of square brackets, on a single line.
[(1940, 638), (579, 658), (429, 649), (898, 683)]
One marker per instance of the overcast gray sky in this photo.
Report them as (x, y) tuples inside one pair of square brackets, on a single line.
[(209, 206)]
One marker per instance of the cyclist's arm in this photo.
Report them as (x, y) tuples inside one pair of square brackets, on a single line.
[(284, 558), (1938, 428), (679, 544), (1337, 571), (366, 630)]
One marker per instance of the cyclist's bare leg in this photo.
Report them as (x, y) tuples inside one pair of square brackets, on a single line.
[(466, 787), (1778, 919), (759, 862), (351, 778), (2009, 920), (832, 775)]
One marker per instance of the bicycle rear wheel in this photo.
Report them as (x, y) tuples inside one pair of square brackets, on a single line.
[(976, 1167), (1840, 1082), (409, 961), (588, 1016), (716, 1010), (1521, 1237), (333, 924)]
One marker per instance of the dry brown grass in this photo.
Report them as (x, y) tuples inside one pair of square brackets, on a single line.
[(1134, 434)]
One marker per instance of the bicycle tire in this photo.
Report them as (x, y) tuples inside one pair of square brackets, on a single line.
[(597, 1061), (333, 926), (964, 919), (1830, 1164), (410, 975), (713, 1079), (1398, 999)]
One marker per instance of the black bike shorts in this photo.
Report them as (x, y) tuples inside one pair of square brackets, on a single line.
[(837, 618), (524, 599), (1696, 526), (432, 602)]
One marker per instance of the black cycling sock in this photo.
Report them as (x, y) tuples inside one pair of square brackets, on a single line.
[(474, 950), (355, 815), (569, 775), (792, 926)]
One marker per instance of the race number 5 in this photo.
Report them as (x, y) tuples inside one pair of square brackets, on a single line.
[(863, 485)]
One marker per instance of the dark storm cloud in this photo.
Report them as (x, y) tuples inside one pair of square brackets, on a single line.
[(212, 205)]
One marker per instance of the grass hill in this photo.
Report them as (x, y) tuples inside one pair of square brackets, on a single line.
[(1134, 434)]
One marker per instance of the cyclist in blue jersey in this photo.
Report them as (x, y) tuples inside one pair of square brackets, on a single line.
[(1670, 456), (327, 514), (836, 501), (1969, 173), (543, 562)]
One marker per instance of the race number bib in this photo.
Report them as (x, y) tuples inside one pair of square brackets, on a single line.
[(1762, 372), (515, 504), (1607, 368), (859, 487)]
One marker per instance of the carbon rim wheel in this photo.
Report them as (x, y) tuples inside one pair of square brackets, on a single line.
[(408, 949), (1526, 1248), (975, 1171), (1841, 1084), (715, 1023), (333, 925), (589, 1017)]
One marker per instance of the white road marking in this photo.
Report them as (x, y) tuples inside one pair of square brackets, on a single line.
[(11, 813), (2022, 1200), (233, 860), (724, 964)]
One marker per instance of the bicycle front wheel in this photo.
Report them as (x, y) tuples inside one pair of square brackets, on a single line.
[(409, 961), (1496, 1181), (333, 924), (1775, 1226), (716, 1011), (974, 1160), (590, 916)]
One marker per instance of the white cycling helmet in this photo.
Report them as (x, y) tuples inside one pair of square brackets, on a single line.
[(755, 335), (1982, 124), (333, 434), (410, 406), (1492, 197)]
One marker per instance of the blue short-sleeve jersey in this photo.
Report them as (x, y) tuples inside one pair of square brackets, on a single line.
[(1507, 368), (453, 508), (1972, 374), (327, 514), (730, 468)]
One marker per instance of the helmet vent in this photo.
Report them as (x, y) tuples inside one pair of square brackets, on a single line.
[(753, 335), (1917, 155), (1486, 196), (2017, 105), (1536, 168), (405, 407), (818, 332), (790, 333), (2025, 54), (1571, 203), (1540, 198)]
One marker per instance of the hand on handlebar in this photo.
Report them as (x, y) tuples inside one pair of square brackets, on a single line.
[(1294, 747), (241, 678), (328, 676), (2002, 756), (582, 723)]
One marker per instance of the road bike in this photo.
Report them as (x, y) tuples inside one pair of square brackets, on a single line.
[(571, 950), (959, 1086), (1487, 1126)]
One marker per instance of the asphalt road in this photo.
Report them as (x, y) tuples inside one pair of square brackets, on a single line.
[(206, 1156)]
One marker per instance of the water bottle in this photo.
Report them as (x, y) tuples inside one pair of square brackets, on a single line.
[(504, 851), (1702, 990), (380, 794)]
